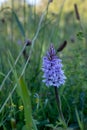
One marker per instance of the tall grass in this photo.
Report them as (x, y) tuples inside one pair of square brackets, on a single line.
[(26, 103)]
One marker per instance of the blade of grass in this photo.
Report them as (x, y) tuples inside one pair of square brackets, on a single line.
[(19, 24), (78, 119), (27, 103), (24, 93)]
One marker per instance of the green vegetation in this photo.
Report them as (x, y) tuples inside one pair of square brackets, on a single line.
[(25, 35)]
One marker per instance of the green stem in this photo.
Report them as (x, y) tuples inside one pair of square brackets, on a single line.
[(59, 107)]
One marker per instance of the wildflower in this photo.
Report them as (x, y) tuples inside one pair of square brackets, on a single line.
[(21, 108), (52, 68), (13, 105)]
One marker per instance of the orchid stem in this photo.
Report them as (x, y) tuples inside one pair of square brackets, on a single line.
[(59, 106)]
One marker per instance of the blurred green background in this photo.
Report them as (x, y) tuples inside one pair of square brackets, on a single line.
[(43, 24)]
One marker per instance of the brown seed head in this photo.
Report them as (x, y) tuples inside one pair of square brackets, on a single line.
[(62, 46), (28, 42), (76, 12)]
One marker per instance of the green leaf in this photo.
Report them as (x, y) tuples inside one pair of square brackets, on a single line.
[(80, 35), (24, 93), (4, 128), (24, 127), (19, 24), (78, 119), (27, 104)]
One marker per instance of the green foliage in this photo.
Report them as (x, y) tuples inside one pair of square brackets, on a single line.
[(27, 100), (19, 24), (25, 95)]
